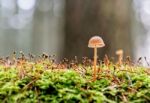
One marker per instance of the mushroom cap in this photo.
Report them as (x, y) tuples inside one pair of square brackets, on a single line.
[(118, 52), (96, 41)]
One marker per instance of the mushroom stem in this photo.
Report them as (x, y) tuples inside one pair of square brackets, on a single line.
[(95, 61), (120, 59), (120, 56)]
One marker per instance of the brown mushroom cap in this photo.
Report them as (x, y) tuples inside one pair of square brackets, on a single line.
[(119, 52), (96, 41)]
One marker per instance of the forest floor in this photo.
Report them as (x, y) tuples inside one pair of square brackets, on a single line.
[(41, 80)]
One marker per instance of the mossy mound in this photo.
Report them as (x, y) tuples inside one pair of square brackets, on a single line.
[(44, 81)]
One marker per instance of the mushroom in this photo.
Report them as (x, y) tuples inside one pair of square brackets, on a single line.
[(120, 56), (95, 42)]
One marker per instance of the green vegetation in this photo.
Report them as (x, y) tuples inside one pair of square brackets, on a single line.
[(41, 80)]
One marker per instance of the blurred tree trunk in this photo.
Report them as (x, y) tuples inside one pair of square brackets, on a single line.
[(109, 19), (48, 25)]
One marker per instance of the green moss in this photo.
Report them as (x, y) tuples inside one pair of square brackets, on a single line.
[(40, 82)]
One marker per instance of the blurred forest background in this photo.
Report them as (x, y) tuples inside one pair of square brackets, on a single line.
[(63, 27)]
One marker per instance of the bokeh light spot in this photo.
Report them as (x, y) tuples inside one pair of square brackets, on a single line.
[(26, 4)]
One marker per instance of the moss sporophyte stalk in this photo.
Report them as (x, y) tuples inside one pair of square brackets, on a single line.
[(39, 79)]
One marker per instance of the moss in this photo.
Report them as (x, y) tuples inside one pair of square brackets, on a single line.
[(44, 81)]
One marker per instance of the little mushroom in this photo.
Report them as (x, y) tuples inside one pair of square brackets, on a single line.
[(95, 42), (120, 56)]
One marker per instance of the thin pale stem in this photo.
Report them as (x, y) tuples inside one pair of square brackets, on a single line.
[(95, 61), (120, 59)]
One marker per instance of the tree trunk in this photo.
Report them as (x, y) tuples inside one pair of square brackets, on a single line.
[(109, 19), (48, 25)]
